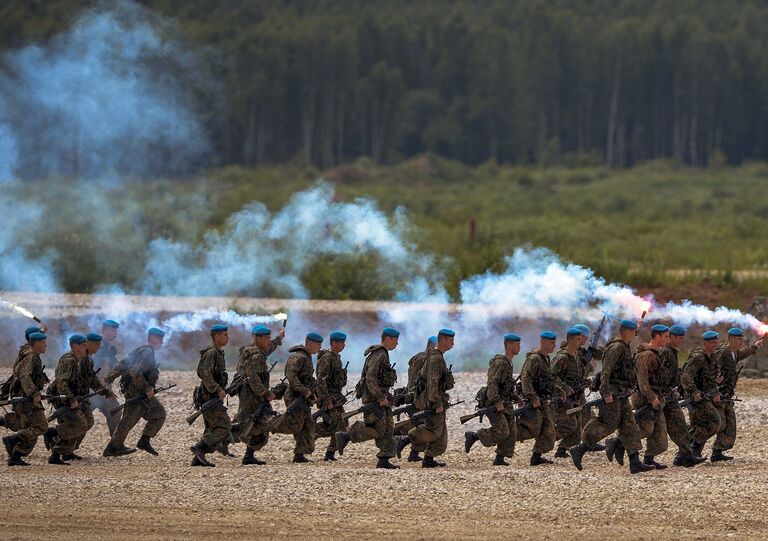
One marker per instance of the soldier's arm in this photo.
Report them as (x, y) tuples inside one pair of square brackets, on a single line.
[(120, 369), (206, 377), (527, 375), (494, 383), (644, 362), (26, 369), (559, 371), (64, 373), (323, 373), (253, 369), (292, 373), (610, 359), (434, 370), (746, 352), (273, 345), (372, 377), (689, 381), (144, 374)]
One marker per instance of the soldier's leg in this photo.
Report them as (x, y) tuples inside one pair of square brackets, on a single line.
[(89, 422), (499, 430), (289, 424), (112, 418), (385, 441), (154, 413), (705, 421), (131, 415), (371, 427), (506, 446), (545, 439), (657, 441), (433, 433), (33, 424), (568, 430), (606, 422), (305, 436), (677, 428), (529, 425), (258, 438), (338, 424), (726, 436), (72, 426), (11, 421), (629, 433), (217, 427)]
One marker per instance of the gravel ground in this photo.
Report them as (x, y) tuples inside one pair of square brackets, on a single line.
[(163, 498)]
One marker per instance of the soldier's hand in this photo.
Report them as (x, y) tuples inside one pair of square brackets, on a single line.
[(75, 404), (281, 334), (759, 343), (150, 394), (307, 393), (675, 395), (222, 394), (716, 398), (719, 379), (43, 328), (329, 406), (697, 396), (500, 406), (439, 409), (36, 399), (655, 403), (384, 403), (569, 392), (608, 398), (536, 403), (270, 396), (111, 395)]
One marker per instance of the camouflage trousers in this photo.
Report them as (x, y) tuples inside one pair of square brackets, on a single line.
[(537, 424), (338, 424), (258, 435), (431, 435), (726, 436), (677, 427), (71, 429), (616, 415), (89, 422), (104, 404), (568, 428), (32, 423), (705, 421), (653, 428), (11, 420), (502, 433), (150, 410), (380, 430), (302, 426), (403, 429), (218, 427)]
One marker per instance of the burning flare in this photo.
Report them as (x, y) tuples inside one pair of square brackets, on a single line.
[(20, 309)]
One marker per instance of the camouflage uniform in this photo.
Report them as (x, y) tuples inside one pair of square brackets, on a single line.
[(587, 370), (567, 369), (379, 377), (650, 382), (433, 432), (616, 379), (139, 373), (298, 372), (331, 380), (11, 420), (726, 362), (104, 361), (252, 364), (702, 372), (402, 428), (72, 379), (500, 388), (677, 427), (537, 382), (212, 371), (29, 380)]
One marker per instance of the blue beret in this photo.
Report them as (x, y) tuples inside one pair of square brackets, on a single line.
[(314, 337), (574, 331), (261, 330), (677, 330), (511, 337), (110, 323), (446, 332), (628, 324), (77, 339), (36, 336), (735, 331), (31, 330), (710, 335), (390, 332), (548, 335), (659, 328), (432, 340), (219, 328), (154, 331), (93, 337), (583, 328), (338, 336)]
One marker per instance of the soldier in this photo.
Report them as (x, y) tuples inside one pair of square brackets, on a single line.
[(31, 378), (701, 385), (212, 371), (11, 420), (616, 382), (301, 386), (331, 380), (500, 391), (538, 386), (729, 358), (415, 364), (377, 378), (138, 375), (649, 401), (677, 427), (104, 360), (433, 383), (570, 372), (588, 369), (253, 365)]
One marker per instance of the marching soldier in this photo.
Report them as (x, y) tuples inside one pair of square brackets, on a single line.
[(104, 360), (11, 420), (500, 391), (377, 378), (567, 369), (138, 375), (588, 369), (331, 380)]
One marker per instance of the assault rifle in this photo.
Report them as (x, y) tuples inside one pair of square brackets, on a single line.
[(67, 410), (140, 398), (264, 409), (325, 412), (426, 415), (17, 400), (598, 403), (639, 412), (216, 401), (483, 412), (594, 340), (298, 403), (371, 407)]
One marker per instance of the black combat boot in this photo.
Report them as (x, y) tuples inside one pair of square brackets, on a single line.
[(414, 456), (614, 449), (385, 464), (299, 458), (577, 454), (696, 449), (199, 449), (17, 459), (402, 443), (117, 451), (470, 438), (223, 449), (717, 456), (430, 462), (538, 460), (598, 447), (249, 459), (10, 444), (342, 439), (144, 445), (561, 453), (49, 437), (2, 420), (685, 460), (635, 466), (330, 456), (499, 461), (648, 459), (55, 458), (71, 457)]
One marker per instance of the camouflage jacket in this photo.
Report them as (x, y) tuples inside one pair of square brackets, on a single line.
[(298, 373), (586, 367), (28, 372), (727, 365), (415, 364), (536, 377), (567, 369), (74, 376), (618, 374), (378, 374), (501, 380), (331, 377), (702, 371), (138, 372), (212, 371), (106, 358), (434, 374), (651, 375), (252, 364), (673, 375)]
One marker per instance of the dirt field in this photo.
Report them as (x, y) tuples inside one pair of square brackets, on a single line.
[(144, 497)]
